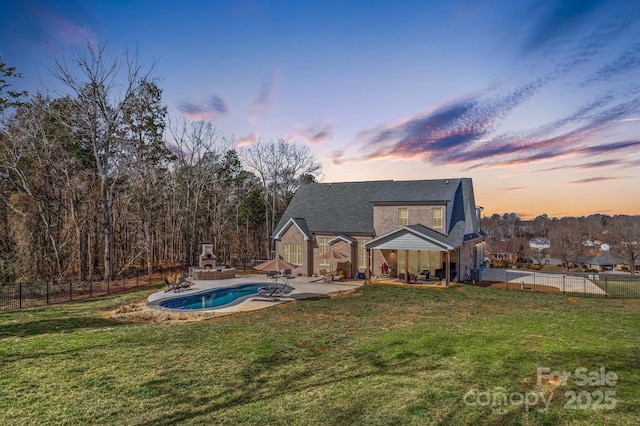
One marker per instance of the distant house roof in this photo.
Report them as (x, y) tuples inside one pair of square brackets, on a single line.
[(601, 259), (346, 208)]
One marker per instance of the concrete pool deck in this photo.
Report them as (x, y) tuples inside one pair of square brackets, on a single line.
[(304, 288)]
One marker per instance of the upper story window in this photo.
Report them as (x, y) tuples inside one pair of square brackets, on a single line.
[(403, 216), (437, 217), (323, 247)]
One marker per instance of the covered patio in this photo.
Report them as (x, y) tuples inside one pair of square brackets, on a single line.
[(410, 251)]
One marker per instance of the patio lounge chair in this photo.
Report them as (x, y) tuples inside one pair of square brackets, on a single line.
[(275, 291), (183, 284), (172, 287)]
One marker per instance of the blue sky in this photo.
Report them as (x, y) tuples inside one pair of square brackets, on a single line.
[(537, 101)]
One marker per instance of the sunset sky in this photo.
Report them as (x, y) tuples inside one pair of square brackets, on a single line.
[(537, 101)]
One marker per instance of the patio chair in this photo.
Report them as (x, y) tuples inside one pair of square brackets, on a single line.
[(183, 284), (172, 287)]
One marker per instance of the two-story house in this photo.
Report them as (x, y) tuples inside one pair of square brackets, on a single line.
[(411, 226)]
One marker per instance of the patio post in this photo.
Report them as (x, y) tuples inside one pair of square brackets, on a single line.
[(368, 266), (406, 266), (447, 268)]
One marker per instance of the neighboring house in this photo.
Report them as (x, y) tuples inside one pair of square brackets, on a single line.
[(504, 250), (411, 226), (601, 262), (539, 243)]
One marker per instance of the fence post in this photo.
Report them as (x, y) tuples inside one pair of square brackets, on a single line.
[(136, 277), (584, 287), (124, 285), (534, 282), (606, 287), (563, 281), (20, 296), (47, 292), (70, 290), (90, 286), (108, 285)]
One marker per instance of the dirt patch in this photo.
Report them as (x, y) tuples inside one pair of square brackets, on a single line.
[(341, 294), (141, 312), (527, 287)]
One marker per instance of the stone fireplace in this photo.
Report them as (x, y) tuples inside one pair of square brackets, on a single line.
[(207, 258)]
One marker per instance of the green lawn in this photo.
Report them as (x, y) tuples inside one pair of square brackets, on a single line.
[(392, 355), (622, 288)]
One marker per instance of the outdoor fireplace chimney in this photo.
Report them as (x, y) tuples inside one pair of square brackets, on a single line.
[(207, 258)]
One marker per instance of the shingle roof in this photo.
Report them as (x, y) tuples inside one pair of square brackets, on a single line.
[(410, 191), (334, 208), (347, 207), (601, 259)]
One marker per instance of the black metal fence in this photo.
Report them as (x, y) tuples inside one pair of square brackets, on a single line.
[(47, 292), (614, 286)]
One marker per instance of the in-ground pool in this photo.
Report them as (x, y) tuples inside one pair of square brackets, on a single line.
[(217, 298)]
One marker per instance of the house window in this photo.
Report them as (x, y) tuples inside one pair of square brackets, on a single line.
[(437, 217), (323, 247), (362, 254), (293, 253), (403, 216)]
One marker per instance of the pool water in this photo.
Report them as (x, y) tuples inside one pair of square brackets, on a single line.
[(216, 298)]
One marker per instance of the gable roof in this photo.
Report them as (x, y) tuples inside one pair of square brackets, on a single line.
[(347, 239), (414, 237), (299, 223), (347, 207)]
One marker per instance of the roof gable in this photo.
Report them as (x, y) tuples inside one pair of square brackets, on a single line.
[(298, 223), (411, 238)]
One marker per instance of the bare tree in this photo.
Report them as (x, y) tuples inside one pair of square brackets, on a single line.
[(567, 237), (200, 149), (146, 160), (538, 254), (30, 155), (624, 234), (101, 90), (280, 166)]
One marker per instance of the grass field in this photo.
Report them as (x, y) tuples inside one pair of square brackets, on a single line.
[(389, 355)]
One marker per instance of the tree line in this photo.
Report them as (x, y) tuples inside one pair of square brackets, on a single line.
[(98, 179), (569, 237)]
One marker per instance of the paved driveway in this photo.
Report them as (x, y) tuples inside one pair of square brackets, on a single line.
[(566, 283)]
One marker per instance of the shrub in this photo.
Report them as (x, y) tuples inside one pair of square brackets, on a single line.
[(536, 266)]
